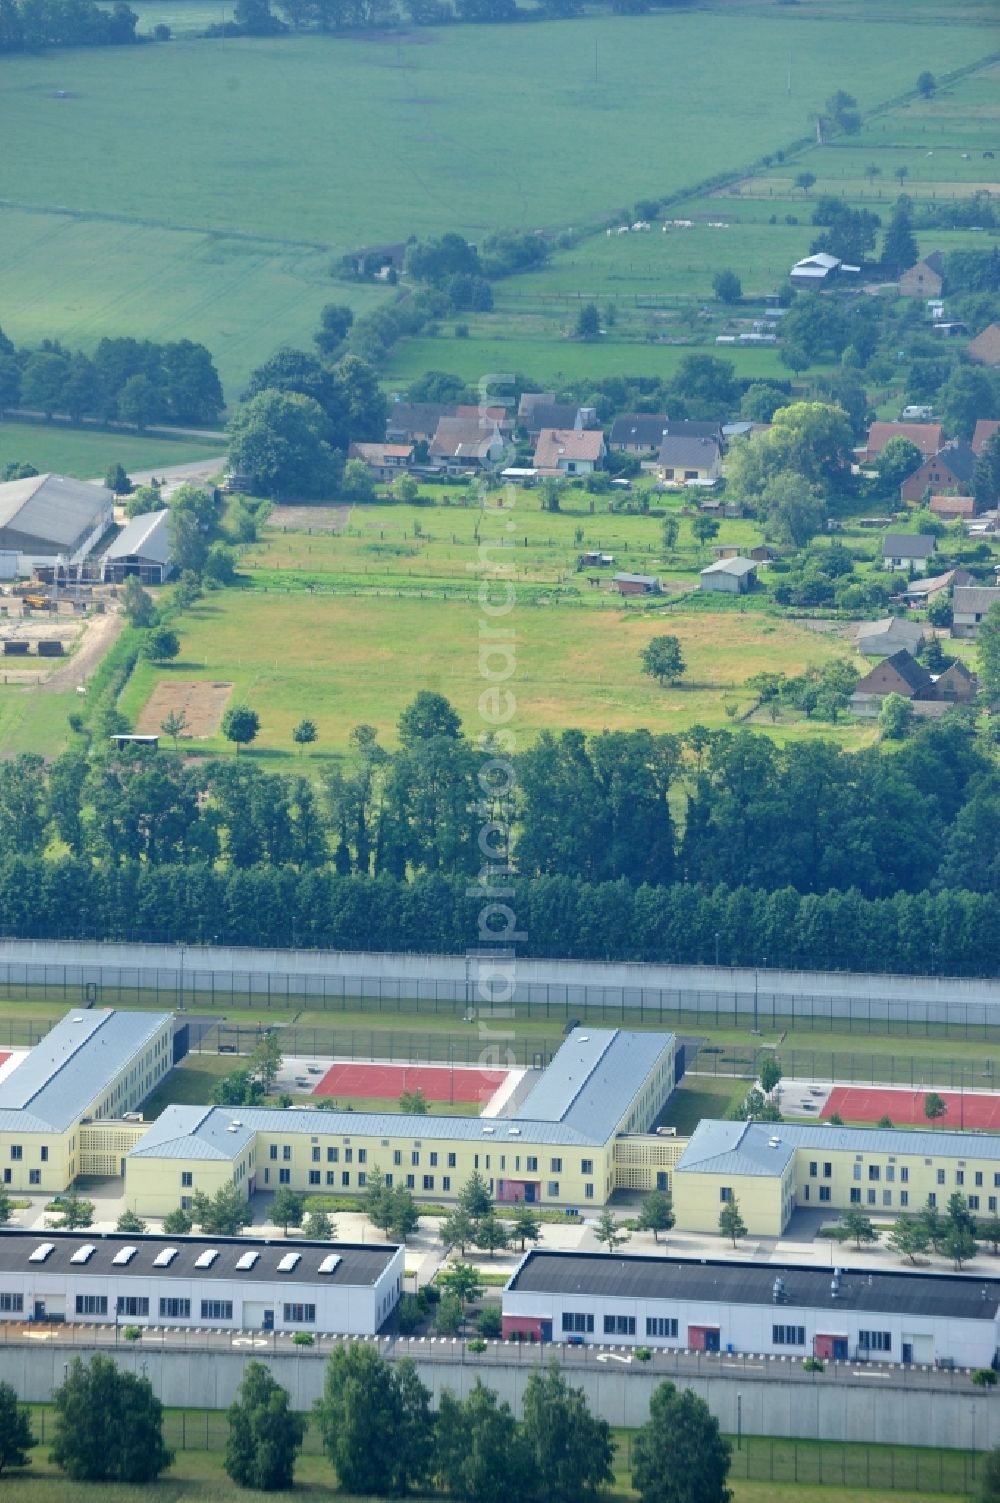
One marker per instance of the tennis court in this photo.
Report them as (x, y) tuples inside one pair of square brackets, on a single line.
[(977, 1109), (384, 1082)]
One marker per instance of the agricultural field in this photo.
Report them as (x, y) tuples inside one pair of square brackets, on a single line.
[(85, 453), (221, 218), (347, 626)]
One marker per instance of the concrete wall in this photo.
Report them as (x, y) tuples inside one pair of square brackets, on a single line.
[(884, 1411), (565, 985)]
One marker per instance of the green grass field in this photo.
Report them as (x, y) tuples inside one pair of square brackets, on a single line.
[(86, 452), (221, 217), (356, 659)]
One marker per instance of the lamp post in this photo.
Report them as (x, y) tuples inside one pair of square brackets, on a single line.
[(739, 1422), (756, 990), (717, 937)]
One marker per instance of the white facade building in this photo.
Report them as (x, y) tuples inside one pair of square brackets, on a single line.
[(241, 1283), (836, 1315)]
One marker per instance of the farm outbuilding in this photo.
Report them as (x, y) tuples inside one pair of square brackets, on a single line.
[(734, 576), (142, 551), (51, 516), (637, 584)]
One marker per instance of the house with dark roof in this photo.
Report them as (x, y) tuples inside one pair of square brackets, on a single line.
[(637, 584), (415, 422), (907, 550), (898, 674), (688, 460), (529, 400), (950, 470), (985, 348), (926, 279), (637, 432), (970, 604), (928, 438), (562, 415)]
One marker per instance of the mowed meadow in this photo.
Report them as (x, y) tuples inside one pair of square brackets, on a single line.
[(346, 627), (243, 168)]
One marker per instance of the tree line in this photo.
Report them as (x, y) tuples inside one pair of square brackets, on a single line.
[(255, 17), (382, 1438), (129, 380), (35, 25)]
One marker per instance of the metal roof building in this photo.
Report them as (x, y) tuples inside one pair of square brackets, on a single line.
[(763, 1308), (240, 1283), (142, 550), (49, 516), (67, 1075)]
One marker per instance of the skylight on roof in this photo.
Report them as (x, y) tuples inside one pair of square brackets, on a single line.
[(207, 1258), (84, 1253), (124, 1255), (165, 1258), (41, 1252), (329, 1263), (246, 1261), (289, 1261)]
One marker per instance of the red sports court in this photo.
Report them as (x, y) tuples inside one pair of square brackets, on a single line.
[(383, 1082), (5, 1055), (905, 1108)]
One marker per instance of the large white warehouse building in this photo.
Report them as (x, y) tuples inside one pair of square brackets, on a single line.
[(248, 1284)]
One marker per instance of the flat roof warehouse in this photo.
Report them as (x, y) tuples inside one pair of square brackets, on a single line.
[(947, 1296), (235, 1258)]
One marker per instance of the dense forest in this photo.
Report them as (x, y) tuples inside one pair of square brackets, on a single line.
[(620, 845)]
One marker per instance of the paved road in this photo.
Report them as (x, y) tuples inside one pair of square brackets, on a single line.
[(745, 1367)]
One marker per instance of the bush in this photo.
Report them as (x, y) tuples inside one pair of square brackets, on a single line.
[(489, 1322), (132, 1333), (643, 1354), (477, 1345), (813, 1365), (409, 1313), (984, 1377), (303, 1338)]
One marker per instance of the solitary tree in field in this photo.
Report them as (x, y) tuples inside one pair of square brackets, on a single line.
[(934, 1106), (174, 725), (901, 174), (670, 528), (588, 322), (679, 1455), (240, 725), (731, 1223), (108, 1425), (926, 84), (304, 734), (161, 644), (662, 659), (265, 1433), (872, 171), (705, 528), (727, 287), (805, 181)]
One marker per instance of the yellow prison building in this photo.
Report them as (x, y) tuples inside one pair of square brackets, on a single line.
[(62, 1108), (581, 1131), (770, 1169)]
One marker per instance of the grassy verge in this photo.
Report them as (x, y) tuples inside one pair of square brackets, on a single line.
[(85, 453)]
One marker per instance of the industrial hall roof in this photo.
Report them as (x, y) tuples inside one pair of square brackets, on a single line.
[(612, 1276)]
